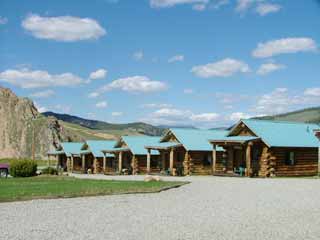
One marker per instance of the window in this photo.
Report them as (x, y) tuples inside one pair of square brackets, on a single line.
[(290, 158), (207, 159)]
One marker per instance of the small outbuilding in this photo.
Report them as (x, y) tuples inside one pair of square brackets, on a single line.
[(95, 159), (187, 151), (269, 148), (131, 155)]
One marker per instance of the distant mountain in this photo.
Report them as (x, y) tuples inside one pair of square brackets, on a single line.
[(307, 115), (176, 126), (129, 128)]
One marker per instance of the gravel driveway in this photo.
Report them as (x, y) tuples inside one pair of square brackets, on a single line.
[(208, 208)]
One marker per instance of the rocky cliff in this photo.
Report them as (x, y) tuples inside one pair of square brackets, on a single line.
[(23, 130)]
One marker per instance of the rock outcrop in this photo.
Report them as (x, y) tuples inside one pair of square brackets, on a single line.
[(23, 130)]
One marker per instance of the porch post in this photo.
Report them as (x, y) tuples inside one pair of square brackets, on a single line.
[(95, 170), (71, 163), (104, 162), (229, 162), (134, 165), (148, 160), (83, 165), (248, 159), (171, 160), (186, 164), (214, 158), (69, 168), (120, 162), (163, 159)]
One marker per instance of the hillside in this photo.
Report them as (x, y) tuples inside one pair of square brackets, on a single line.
[(308, 115), (93, 126)]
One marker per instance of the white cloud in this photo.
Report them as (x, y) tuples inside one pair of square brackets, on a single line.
[(3, 20), (236, 116), (284, 45), (99, 74), (40, 108), (205, 117), (135, 84), (138, 55), (94, 95), (224, 68), (173, 116), (199, 7), (63, 28), (281, 100), (313, 92), (177, 58), (62, 108), (156, 105), (269, 68), (26, 78), (220, 3), (244, 5), (42, 94), (116, 114), (188, 91), (102, 104), (267, 8), (172, 3)]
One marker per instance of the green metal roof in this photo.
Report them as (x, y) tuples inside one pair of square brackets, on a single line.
[(96, 147), (137, 144), (198, 139), (71, 148), (283, 134)]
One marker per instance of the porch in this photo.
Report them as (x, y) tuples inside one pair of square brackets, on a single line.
[(241, 158)]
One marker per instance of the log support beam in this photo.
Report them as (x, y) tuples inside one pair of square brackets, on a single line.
[(171, 160), (214, 158), (148, 161), (83, 163), (104, 164), (248, 160), (95, 165), (120, 162)]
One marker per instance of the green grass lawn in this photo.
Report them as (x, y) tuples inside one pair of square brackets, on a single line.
[(17, 189)]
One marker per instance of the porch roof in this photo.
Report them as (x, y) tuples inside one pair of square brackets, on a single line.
[(70, 148), (164, 145), (136, 144), (96, 147), (234, 139), (198, 139)]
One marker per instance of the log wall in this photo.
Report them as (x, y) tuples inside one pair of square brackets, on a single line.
[(306, 161)]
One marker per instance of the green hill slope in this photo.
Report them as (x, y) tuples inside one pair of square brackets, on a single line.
[(308, 115), (137, 128)]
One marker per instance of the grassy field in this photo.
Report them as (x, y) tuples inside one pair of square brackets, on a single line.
[(43, 187)]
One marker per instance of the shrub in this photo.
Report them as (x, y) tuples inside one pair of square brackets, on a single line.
[(23, 168), (50, 171)]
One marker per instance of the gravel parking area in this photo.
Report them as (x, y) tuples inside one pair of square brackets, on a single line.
[(207, 208)]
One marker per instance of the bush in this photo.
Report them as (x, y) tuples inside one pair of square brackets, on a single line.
[(23, 168), (50, 171)]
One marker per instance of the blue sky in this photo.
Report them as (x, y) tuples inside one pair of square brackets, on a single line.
[(167, 62)]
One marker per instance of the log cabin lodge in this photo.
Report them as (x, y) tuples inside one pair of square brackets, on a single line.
[(252, 148)]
